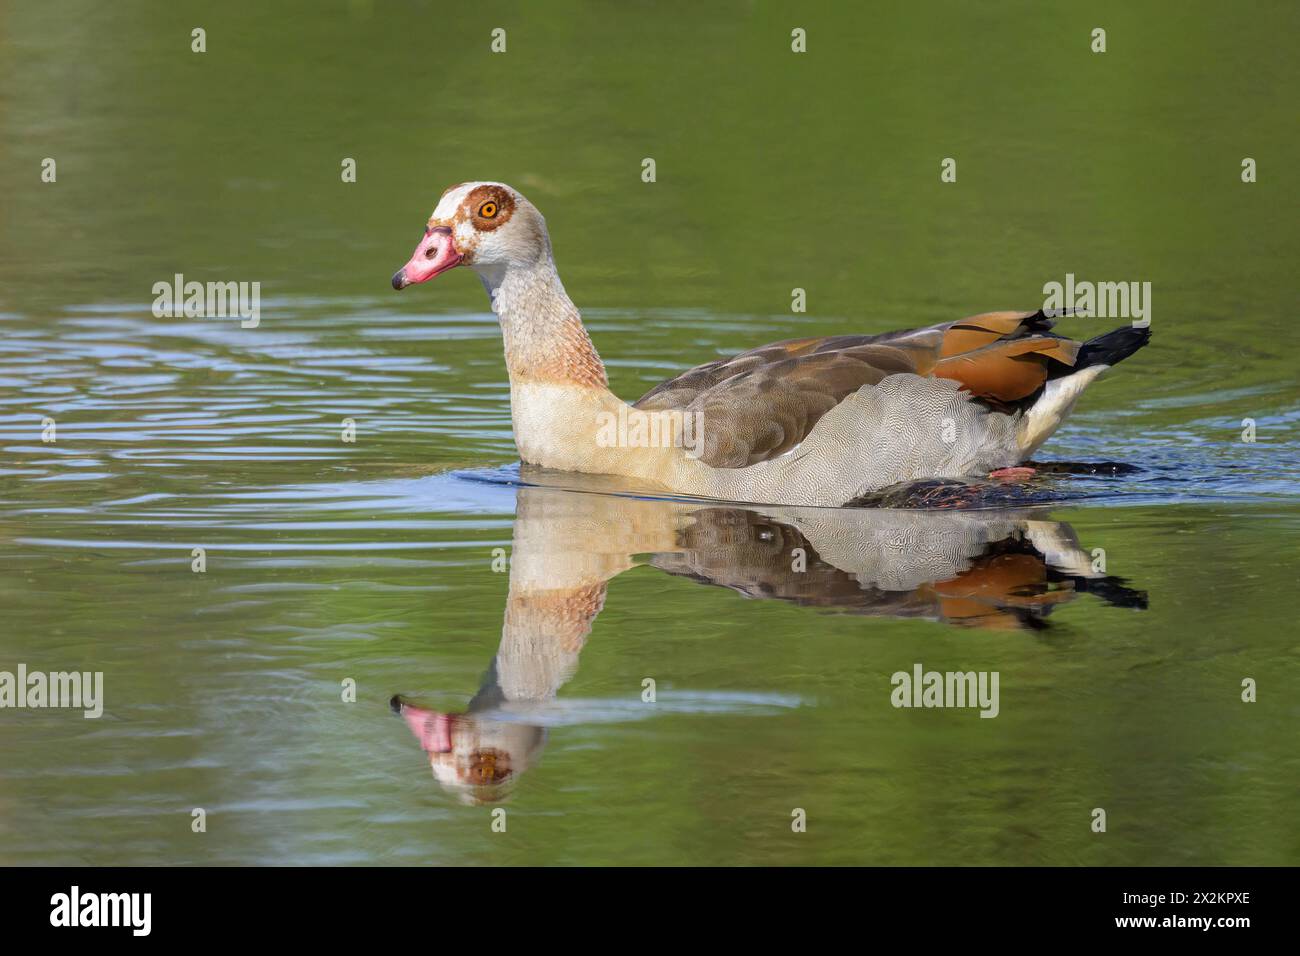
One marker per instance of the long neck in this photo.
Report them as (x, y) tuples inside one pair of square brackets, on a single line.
[(545, 341)]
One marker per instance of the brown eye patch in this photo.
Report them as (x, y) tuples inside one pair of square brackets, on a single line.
[(491, 206), (489, 765)]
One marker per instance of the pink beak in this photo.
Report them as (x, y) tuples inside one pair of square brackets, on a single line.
[(431, 729), (435, 254)]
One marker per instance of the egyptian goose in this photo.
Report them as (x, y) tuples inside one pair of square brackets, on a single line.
[(819, 421)]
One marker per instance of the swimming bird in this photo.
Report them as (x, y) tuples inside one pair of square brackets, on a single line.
[(813, 421)]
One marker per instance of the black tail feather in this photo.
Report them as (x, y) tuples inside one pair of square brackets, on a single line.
[(1112, 348)]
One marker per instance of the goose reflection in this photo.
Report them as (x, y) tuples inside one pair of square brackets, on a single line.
[(973, 569)]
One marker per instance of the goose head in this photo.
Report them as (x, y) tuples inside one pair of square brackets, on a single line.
[(489, 227), (472, 755)]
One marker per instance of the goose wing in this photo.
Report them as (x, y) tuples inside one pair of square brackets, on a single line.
[(760, 404)]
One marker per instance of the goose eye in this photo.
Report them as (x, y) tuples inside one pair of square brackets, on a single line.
[(488, 209)]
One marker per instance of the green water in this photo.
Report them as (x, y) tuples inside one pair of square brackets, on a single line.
[(373, 561)]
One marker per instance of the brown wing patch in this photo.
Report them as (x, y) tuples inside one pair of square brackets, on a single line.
[(994, 589), (1008, 370), (985, 329)]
